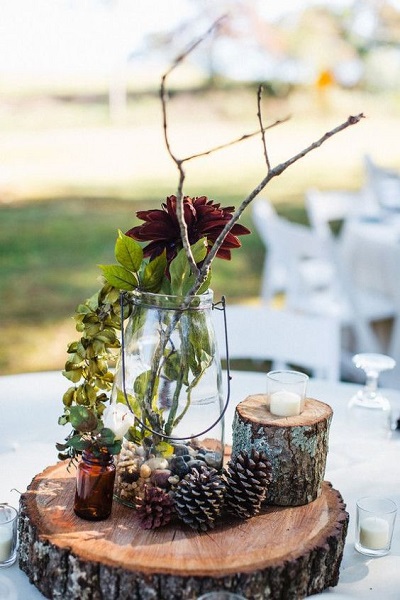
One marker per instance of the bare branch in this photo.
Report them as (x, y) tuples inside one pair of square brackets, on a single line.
[(201, 274), (179, 162), (259, 115), (235, 141), (276, 171), (181, 57)]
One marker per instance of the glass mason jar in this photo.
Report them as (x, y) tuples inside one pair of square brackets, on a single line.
[(169, 374), (94, 486)]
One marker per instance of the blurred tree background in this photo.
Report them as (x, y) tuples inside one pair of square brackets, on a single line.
[(82, 145)]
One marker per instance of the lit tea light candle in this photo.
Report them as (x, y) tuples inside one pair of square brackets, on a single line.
[(6, 539), (285, 404), (374, 533)]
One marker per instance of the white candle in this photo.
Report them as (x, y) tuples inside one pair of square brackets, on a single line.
[(374, 533), (5, 543), (285, 404)]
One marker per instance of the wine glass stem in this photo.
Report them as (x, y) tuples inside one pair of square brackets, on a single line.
[(371, 384)]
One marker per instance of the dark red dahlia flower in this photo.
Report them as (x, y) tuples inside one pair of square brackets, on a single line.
[(203, 217)]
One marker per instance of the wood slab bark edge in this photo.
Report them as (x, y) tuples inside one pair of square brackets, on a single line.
[(285, 553)]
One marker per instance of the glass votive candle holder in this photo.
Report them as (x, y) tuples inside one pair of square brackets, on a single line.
[(8, 535), (221, 595), (286, 392), (374, 525)]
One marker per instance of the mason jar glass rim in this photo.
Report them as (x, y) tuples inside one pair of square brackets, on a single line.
[(169, 301)]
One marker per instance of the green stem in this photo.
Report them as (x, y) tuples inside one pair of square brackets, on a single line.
[(174, 408), (184, 411), (165, 336)]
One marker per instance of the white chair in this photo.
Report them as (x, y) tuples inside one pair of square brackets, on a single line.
[(286, 338), (325, 208), (383, 185), (362, 307), (335, 294), (295, 259)]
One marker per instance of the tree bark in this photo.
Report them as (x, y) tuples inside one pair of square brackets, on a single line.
[(296, 447), (283, 553)]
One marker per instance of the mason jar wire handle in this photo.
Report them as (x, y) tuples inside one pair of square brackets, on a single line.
[(221, 305)]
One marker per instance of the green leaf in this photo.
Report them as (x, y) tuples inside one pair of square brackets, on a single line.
[(115, 448), (72, 347), (82, 418), (190, 281), (107, 436), (180, 271), (69, 396), (153, 273), (141, 384), (206, 284), (131, 400), (79, 444), (128, 252), (73, 376), (165, 449), (172, 366), (91, 304), (199, 250), (119, 277), (107, 336)]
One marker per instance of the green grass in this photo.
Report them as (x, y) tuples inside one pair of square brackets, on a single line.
[(50, 251), (66, 196)]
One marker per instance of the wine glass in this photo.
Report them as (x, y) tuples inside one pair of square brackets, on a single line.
[(369, 396)]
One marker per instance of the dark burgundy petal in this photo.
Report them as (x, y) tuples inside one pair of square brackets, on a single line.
[(223, 253), (239, 229), (231, 241), (159, 231), (203, 217), (151, 215)]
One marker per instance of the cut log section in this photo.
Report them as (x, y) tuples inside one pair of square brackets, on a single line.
[(285, 553), (296, 446)]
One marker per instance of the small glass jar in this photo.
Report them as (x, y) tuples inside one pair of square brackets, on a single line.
[(94, 486)]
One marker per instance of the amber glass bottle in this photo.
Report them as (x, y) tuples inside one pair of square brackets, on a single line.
[(94, 486)]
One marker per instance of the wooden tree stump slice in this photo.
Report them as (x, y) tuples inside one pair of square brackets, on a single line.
[(296, 446), (285, 553)]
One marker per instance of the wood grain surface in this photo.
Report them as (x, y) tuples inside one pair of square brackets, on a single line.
[(282, 553)]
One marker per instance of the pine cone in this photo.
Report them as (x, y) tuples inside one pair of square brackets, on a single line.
[(247, 480), (199, 498), (155, 509)]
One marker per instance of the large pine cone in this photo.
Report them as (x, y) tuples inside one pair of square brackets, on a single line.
[(155, 509), (199, 498), (247, 480)]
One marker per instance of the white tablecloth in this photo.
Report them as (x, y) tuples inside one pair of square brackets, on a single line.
[(370, 251), (360, 462)]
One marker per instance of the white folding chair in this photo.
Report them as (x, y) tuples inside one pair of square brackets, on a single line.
[(335, 293), (284, 337), (383, 185), (295, 259), (324, 208)]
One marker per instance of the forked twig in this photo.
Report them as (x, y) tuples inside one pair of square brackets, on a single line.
[(272, 172), (201, 274), (178, 161)]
